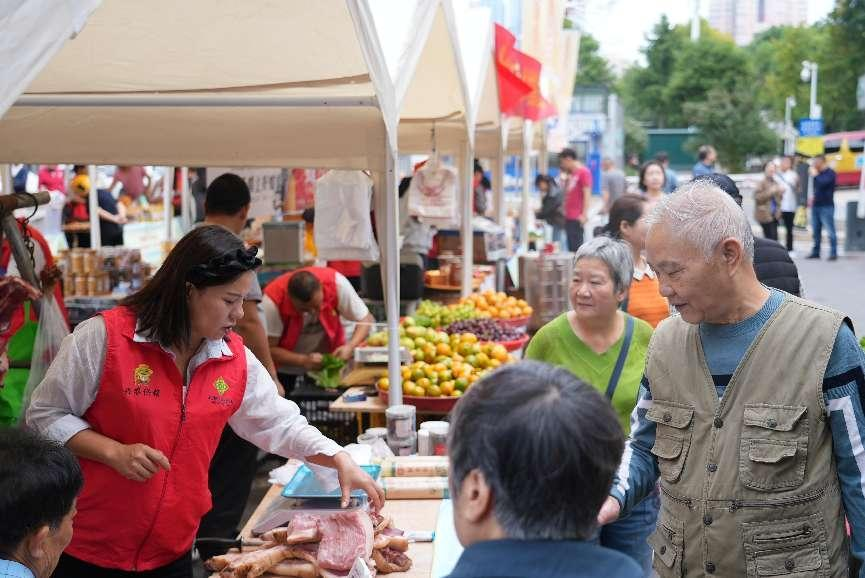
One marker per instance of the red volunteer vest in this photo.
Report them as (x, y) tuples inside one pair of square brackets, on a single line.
[(137, 526), (292, 321), (6, 257)]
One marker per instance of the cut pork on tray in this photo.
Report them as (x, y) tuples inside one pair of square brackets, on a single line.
[(326, 545)]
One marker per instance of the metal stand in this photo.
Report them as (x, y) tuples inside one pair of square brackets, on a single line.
[(9, 227)]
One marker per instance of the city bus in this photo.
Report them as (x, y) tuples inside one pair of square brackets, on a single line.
[(842, 149)]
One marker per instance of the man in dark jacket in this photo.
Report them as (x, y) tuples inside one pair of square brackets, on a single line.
[(772, 263)]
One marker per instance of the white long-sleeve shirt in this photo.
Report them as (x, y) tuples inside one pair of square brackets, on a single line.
[(72, 383)]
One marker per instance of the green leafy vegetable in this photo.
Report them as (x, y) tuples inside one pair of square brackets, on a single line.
[(328, 376)]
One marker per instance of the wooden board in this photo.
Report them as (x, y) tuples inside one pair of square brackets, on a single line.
[(409, 515)]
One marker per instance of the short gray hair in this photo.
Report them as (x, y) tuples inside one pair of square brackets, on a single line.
[(702, 214), (615, 254)]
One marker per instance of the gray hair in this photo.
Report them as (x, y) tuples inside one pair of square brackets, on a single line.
[(547, 445), (702, 214), (615, 254)]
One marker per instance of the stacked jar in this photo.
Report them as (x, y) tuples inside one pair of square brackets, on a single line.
[(402, 429)]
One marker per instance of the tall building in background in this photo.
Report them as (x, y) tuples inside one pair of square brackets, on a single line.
[(744, 19)]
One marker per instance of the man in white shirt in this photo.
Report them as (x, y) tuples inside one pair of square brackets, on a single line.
[(303, 311), (789, 202)]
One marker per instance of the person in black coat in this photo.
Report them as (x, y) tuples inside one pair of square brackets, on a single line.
[(772, 263)]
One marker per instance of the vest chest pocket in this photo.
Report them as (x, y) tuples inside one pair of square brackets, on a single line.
[(794, 548), (773, 450), (673, 428)]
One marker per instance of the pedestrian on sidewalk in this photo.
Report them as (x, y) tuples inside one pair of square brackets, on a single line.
[(613, 183), (552, 210), (823, 207), (706, 157), (790, 201), (672, 182), (577, 184), (767, 201), (652, 182)]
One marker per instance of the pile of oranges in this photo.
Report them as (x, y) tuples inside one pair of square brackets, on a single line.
[(460, 361), (498, 305)]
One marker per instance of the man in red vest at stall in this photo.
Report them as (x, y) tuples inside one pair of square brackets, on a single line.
[(303, 311)]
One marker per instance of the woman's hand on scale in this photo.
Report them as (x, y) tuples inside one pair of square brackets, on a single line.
[(352, 477)]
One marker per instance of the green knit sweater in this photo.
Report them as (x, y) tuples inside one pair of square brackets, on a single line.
[(557, 344)]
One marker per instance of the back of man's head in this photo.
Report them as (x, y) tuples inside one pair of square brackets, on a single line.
[(303, 286), (724, 183), (568, 154), (546, 444), (226, 195), (39, 481), (703, 152), (662, 157)]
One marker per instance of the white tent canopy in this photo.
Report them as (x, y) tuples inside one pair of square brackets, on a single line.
[(268, 83)]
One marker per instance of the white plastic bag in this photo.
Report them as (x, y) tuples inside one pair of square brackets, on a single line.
[(49, 334), (343, 228), (433, 195)]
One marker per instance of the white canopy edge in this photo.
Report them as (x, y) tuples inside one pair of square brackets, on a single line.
[(33, 31)]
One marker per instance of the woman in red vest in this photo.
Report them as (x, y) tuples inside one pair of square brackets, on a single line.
[(141, 395)]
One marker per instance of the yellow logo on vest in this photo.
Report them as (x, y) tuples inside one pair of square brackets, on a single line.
[(142, 374), (220, 385)]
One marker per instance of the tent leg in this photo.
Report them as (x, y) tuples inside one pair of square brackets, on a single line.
[(93, 202), (524, 205), (167, 207), (185, 200), (387, 222), (499, 189), (468, 211)]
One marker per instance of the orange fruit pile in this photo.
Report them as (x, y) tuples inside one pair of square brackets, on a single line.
[(498, 305)]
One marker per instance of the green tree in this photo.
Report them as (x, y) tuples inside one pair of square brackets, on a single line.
[(841, 64), (592, 68), (713, 62), (776, 57), (636, 138), (731, 121), (643, 88)]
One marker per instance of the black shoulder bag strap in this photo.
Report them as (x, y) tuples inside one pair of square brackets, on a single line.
[(623, 354)]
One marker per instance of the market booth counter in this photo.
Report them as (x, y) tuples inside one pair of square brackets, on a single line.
[(417, 518)]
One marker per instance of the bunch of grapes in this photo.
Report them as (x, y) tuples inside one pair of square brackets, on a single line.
[(485, 329)]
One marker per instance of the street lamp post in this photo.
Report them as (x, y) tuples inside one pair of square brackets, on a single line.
[(789, 143), (809, 72)]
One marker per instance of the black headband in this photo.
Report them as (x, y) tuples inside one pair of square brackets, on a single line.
[(224, 267)]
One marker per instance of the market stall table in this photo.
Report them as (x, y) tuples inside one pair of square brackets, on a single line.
[(408, 515), (373, 407)]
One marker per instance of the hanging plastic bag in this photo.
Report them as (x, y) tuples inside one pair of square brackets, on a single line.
[(433, 195), (800, 219), (50, 333), (343, 228)]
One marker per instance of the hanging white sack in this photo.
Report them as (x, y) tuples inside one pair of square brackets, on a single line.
[(433, 195), (343, 227)]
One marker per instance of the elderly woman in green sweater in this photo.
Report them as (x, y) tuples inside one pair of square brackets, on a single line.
[(606, 348)]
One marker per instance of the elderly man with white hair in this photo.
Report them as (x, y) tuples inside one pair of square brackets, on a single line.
[(750, 411)]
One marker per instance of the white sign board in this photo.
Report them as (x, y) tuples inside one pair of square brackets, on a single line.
[(265, 188)]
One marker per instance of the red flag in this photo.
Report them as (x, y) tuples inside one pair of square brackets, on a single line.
[(519, 77), (512, 89), (533, 106)]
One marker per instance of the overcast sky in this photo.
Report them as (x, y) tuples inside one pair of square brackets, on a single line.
[(621, 26)]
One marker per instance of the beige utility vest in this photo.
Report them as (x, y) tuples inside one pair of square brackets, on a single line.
[(749, 486)]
